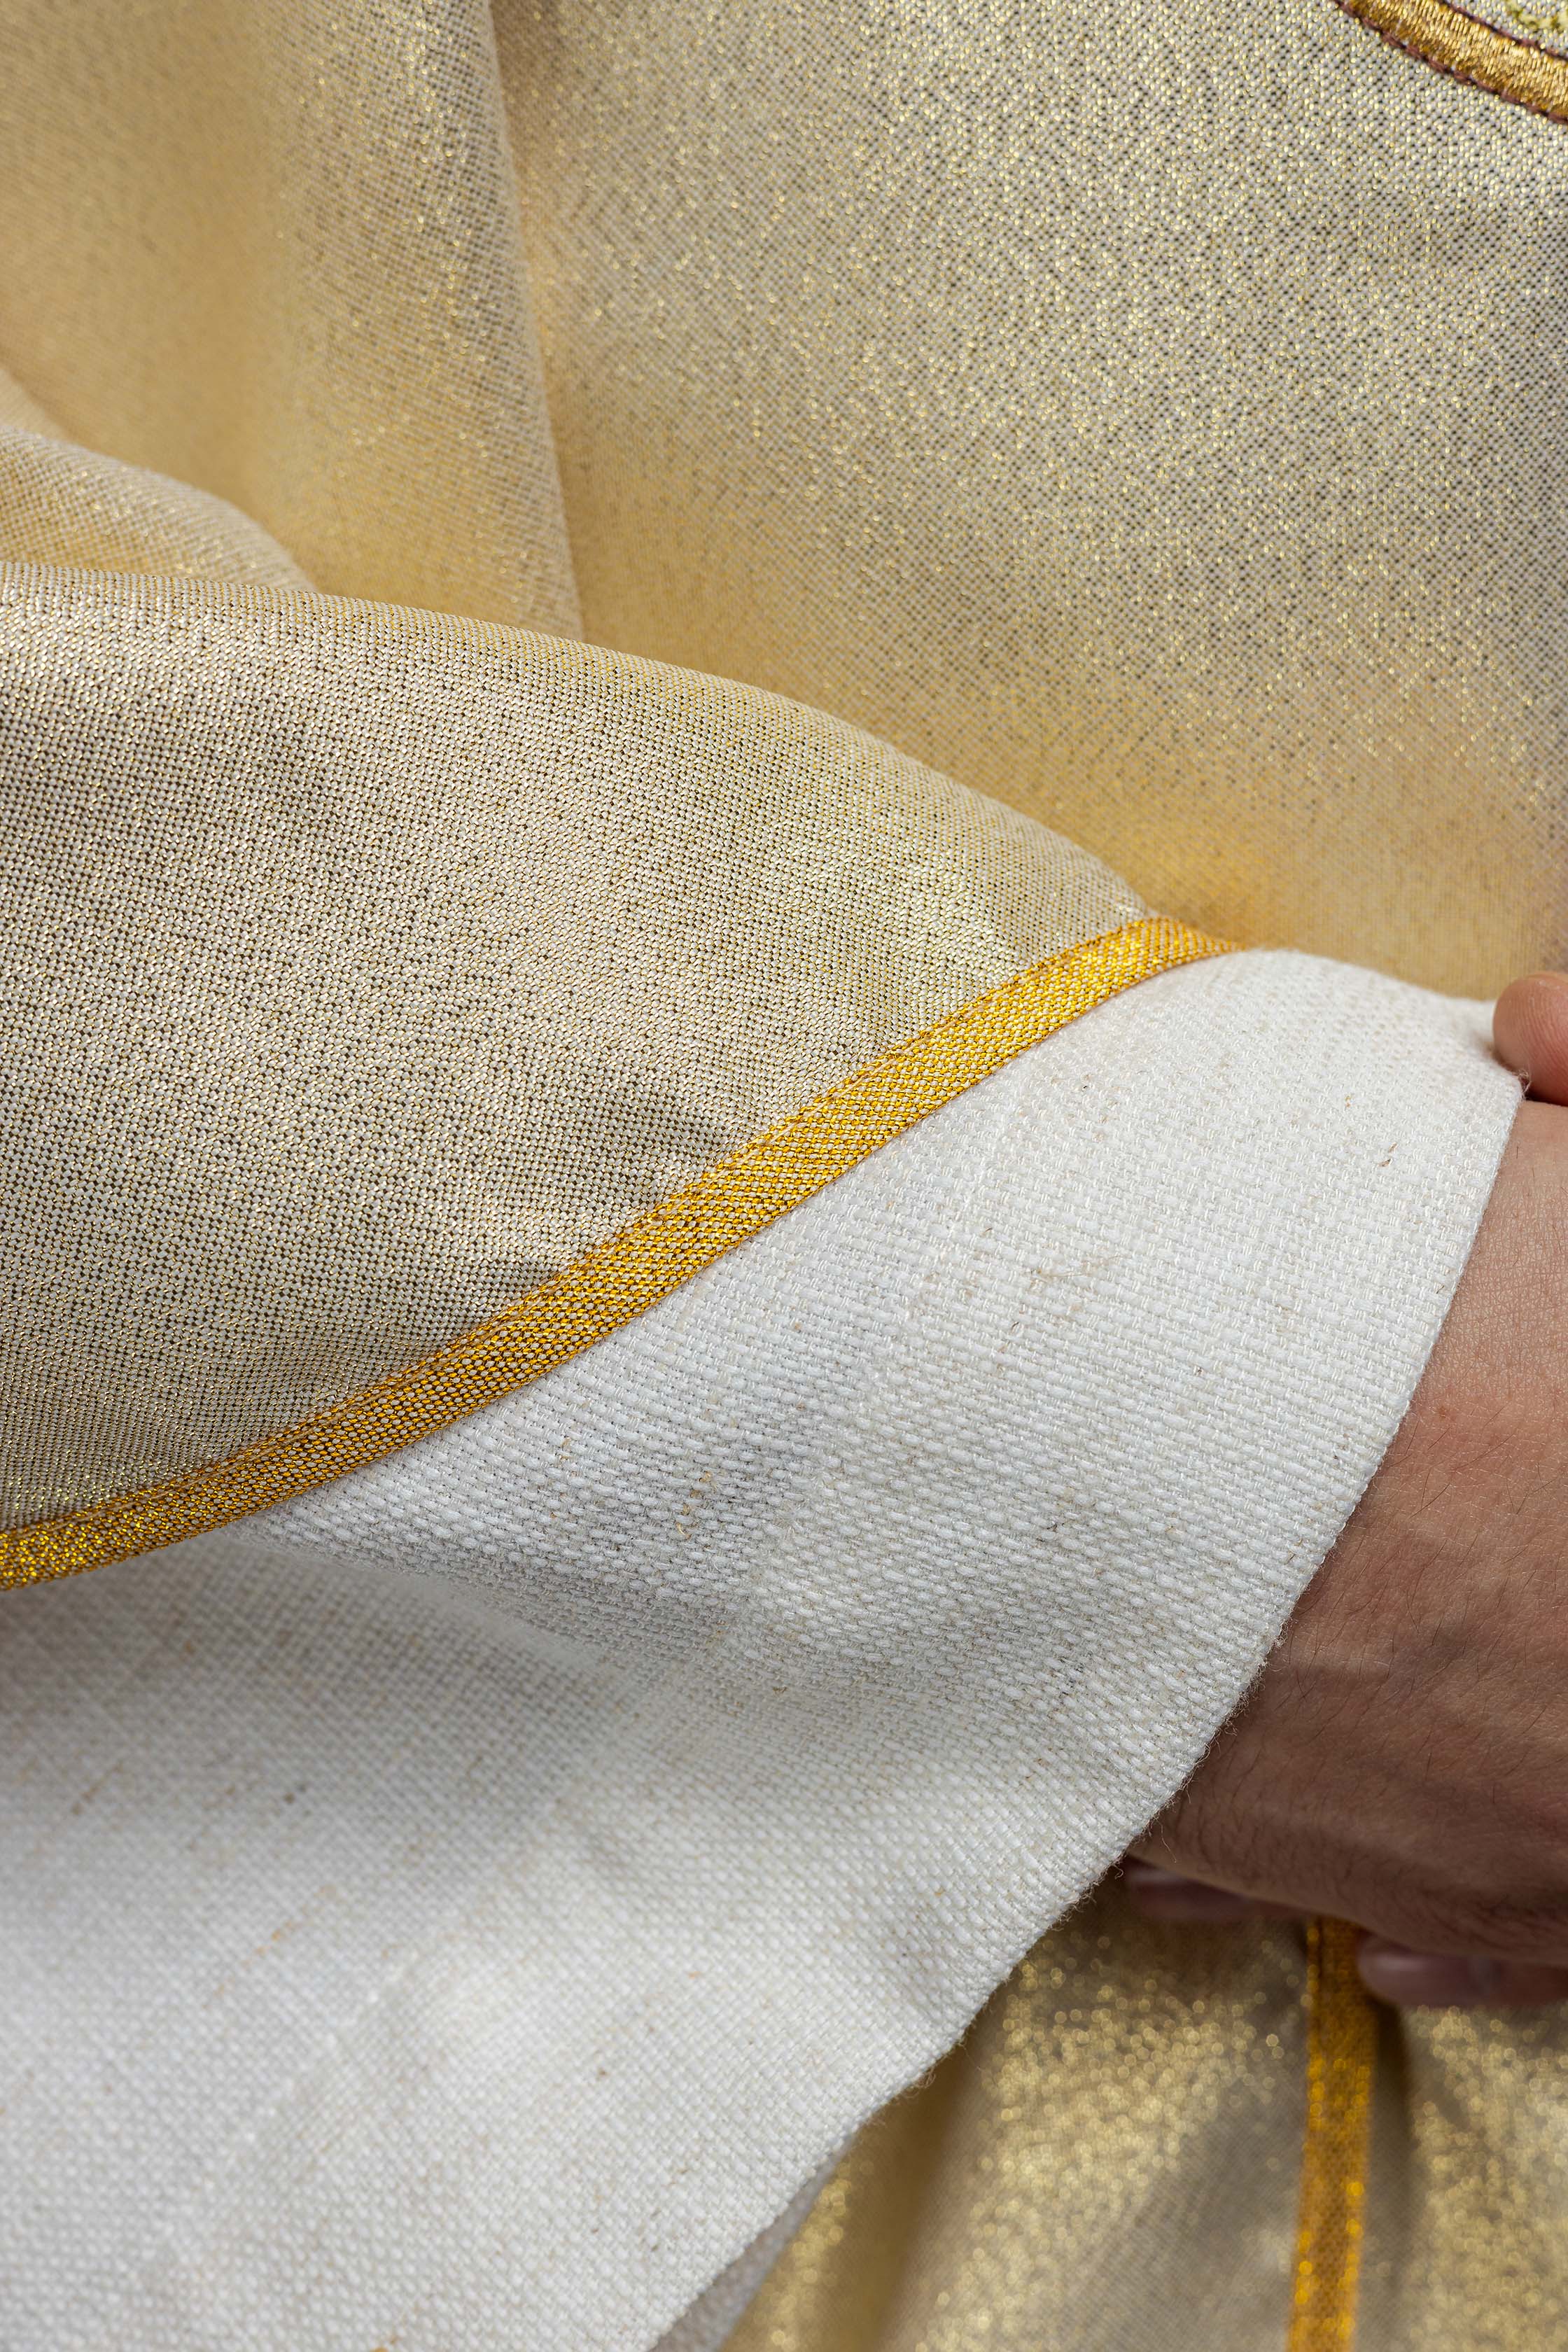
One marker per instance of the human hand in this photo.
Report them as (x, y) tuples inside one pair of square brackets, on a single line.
[(1403, 1760)]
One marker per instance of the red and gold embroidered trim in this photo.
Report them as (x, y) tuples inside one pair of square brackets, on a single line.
[(623, 1277)]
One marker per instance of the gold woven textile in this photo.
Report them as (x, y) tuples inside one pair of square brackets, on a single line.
[(619, 1277), (1342, 2056), (1511, 49), (1145, 414), (1114, 2169), (368, 967), (1147, 417)]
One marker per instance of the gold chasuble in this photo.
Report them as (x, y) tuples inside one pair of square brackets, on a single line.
[(1142, 430)]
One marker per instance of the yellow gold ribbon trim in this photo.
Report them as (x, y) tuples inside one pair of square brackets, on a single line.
[(1462, 44), (1342, 2036), (624, 1276)]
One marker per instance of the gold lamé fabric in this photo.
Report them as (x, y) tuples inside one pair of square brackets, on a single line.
[(618, 1278), (1109, 2162), (1151, 418), (70, 507), (368, 967), (1151, 415), (1542, 24), (1509, 52), (273, 252)]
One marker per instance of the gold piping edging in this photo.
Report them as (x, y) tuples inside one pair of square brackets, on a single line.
[(624, 1276), (1341, 2040), (1460, 44)]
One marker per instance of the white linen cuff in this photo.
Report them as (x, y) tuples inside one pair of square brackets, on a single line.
[(621, 1794)]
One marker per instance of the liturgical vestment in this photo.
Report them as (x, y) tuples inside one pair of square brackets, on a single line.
[(760, 769)]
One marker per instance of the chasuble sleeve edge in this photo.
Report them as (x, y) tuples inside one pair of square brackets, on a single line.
[(625, 1274), (821, 1637)]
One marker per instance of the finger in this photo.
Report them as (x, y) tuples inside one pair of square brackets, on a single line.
[(1530, 1029), (1410, 1979), (1166, 1896)]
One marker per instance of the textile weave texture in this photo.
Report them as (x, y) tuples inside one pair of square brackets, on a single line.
[(1145, 418), (515, 1869), (368, 967)]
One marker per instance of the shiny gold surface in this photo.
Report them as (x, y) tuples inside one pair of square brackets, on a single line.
[(1467, 2245), (1342, 2054), (62, 504), (625, 1274), (1515, 52), (365, 967), (1151, 416), (273, 252), (1146, 414), (1119, 2142), (1121, 2146)]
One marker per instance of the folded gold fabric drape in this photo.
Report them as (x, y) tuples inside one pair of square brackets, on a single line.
[(1149, 416), (1147, 419), (370, 967), (618, 1278)]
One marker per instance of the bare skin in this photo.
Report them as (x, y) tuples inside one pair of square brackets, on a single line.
[(1530, 1029), (1402, 1760)]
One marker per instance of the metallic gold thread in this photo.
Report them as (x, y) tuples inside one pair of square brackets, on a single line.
[(1461, 45), (610, 1285), (1341, 2050), (459, 949), (1042, 2216)]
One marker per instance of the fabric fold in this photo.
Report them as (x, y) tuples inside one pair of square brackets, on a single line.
[(368, 967), (632, 1788)]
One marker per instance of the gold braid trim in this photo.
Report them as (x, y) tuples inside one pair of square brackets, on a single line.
[(1342, 2038), (623, 1277), (1461, 45)]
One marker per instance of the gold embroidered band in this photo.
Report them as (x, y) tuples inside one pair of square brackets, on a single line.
[(624, 1276), (1341, 2035), (1463, 46)]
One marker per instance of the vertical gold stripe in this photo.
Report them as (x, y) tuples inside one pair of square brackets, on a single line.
[(1341, 2033), (624, 1276), (1461, 45)]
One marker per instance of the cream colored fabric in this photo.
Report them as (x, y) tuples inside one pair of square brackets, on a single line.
[(274, 252), (17, 408), (707, 2325), (1148, 415), (1139, 417), (402, 961), (465, 1905), (60, 504)]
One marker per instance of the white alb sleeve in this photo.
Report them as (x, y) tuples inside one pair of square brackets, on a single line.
[(465, 1905)]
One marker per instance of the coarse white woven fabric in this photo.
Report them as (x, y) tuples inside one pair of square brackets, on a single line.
[(466, 1904)]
